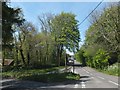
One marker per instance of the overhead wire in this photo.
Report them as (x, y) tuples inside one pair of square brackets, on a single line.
[(91, 12)]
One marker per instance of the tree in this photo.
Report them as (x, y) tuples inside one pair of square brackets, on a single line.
[(65, 32), (10, 16), (45, 21), (102, 38), (107, 28), (80, 57), (0, 30), (24, 44), (62, 30)]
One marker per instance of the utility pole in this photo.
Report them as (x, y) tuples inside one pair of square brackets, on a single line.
[(65, 62), (73, 66)]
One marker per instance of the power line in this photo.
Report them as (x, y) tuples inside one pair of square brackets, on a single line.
[(91, 12)]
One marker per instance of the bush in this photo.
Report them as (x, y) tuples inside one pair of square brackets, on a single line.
[(80, 57), (119, 58), (112, 69), (100, 60)]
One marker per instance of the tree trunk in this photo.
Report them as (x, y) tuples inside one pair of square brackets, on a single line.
[(61, 50), (40, 56), (46, 52), (22, 55), (28, 57), (37, 55), (16, 63), (58, 56), (3, 59)]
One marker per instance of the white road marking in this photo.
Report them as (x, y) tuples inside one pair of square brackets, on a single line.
[(91, 74), (92, 77), (86, 71), (83, 84), (101, 77), (71, 70), (76, 72), (76, 86), (83, 69), (1, 87), (114, 83), (43, 87), (61, 86), (53, 87), (6, 80)]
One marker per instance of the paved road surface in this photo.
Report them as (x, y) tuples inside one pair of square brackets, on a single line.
[(89, 79)]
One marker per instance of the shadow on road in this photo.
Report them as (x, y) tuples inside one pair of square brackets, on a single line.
[(84, 76), (77, 65), (31, 85)]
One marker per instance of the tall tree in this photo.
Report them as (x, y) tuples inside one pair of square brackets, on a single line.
[(106, 26), (10, 16), (0, 31), (65, 32), (25, 34), (103, 36), (45, 21)]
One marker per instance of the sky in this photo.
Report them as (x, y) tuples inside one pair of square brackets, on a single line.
[(32, 10)]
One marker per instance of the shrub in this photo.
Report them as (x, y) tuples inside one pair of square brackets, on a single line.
[(100, 60)]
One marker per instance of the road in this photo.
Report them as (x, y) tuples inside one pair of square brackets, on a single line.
[(90, 78)]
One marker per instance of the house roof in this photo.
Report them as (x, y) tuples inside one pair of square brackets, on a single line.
[(8, 61)]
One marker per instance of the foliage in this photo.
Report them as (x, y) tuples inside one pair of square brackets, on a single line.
[(101, 47), (10, 16), (80, 57), (112, 69), (65, 33), (65, 30), (105, 28), (33, 49), (100, 60)]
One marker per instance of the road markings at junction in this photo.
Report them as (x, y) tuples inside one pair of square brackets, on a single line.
[(91, 74), (92, 77), (114, 83), (86, 71), (101, 77), (76, 86), (2, 87), (83, 84)]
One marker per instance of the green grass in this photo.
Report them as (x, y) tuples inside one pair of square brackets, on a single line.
[(55, 77), (112, 70), (41, 75), (26, 72)]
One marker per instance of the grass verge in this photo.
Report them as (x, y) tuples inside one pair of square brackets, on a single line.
[(112, 70), (41, 75), (54, 77), (26, 72)]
